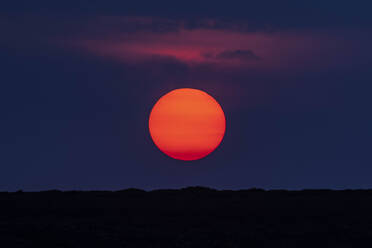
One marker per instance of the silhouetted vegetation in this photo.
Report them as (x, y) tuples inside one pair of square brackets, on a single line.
[(189, 217)]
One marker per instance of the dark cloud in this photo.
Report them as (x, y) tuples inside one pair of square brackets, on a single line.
[(237, 54)]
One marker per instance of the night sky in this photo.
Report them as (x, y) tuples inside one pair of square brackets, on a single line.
[(78, 80)]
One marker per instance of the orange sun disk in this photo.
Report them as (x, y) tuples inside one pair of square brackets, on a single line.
[(187, 124)]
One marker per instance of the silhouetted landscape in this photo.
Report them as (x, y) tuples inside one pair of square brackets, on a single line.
[(189, 217)]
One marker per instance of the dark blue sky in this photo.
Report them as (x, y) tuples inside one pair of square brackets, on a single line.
[(79, 79)]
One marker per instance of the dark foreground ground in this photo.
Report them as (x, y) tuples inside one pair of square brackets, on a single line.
[(191, 217)]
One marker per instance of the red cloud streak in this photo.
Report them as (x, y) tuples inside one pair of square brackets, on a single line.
[(226, 48)]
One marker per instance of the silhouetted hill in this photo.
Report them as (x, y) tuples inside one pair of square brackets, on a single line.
[(189, 217)]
